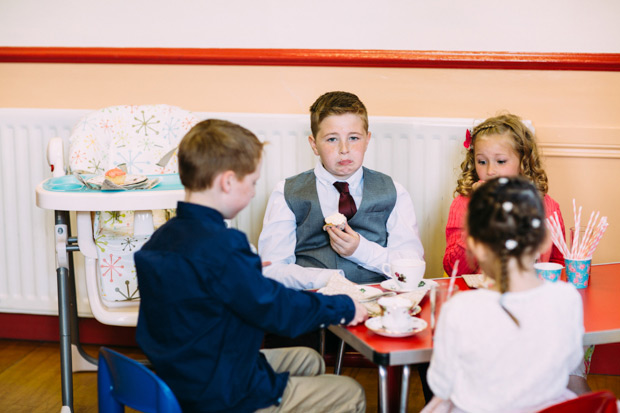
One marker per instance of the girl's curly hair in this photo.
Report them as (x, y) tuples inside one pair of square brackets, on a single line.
[(524, 143)]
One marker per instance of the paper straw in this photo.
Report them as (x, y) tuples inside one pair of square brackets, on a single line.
[(581, 248), (553, 232), (574, 211), (598, 234), (586, 236), (575, 241), (452, 278), (597, 240), (590, 235), (595, 232), (558, 242), (556, 234)]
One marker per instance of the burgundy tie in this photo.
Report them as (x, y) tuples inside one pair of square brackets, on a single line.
[(346, 204)]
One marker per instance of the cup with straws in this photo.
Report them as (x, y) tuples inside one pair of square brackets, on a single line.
[(584, 240)]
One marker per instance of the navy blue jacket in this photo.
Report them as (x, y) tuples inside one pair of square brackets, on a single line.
[(205, 306)]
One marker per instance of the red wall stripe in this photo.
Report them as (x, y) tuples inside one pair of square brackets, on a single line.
[(316, 57)]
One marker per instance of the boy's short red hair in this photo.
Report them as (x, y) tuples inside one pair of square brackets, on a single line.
[(214, 146), (336, 103)]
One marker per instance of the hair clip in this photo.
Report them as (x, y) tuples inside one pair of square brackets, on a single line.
[(535, 223), (507, 206), (511, 244), (503, 180), (467, 143)]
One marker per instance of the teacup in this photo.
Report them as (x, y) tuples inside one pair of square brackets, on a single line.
[(548, 271), (395, 313), (406, 272)]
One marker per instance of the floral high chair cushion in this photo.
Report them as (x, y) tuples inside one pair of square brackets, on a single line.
[(137, 136)]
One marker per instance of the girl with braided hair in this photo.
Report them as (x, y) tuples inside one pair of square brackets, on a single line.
[(511, 347)]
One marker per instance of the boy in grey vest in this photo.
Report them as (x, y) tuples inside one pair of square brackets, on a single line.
[(381, 224)]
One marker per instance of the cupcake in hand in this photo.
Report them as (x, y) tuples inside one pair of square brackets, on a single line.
[(335, 220)]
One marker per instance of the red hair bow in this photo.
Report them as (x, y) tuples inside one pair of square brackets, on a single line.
[(467, 142)]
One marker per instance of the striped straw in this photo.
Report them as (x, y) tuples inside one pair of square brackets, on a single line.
[(556, 234), (586, 235), (452, 278), (575, 241), (597, 240)]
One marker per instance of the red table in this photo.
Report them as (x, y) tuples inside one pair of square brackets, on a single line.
[(601, 302)]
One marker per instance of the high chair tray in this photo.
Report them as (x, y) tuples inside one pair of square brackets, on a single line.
[(66, 193)]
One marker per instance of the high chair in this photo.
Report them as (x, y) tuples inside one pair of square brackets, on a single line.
[(137, 136)]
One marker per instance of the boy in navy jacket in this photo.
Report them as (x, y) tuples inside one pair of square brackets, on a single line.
[(205, 304)]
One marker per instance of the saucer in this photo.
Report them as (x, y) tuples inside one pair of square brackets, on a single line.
[(392, 285), (414, 326), (415, 310), (129, 180)]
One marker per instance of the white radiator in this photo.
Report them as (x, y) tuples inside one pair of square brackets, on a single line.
[(423, 154)]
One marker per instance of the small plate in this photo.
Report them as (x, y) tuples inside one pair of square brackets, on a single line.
[(393, 286), (416, 325), (129, 180)]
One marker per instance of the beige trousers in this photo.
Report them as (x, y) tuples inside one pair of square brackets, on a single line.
[(309, 389)]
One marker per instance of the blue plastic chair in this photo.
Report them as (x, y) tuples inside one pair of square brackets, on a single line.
[(122, 381)]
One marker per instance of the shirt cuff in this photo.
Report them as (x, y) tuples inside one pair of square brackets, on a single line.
[(364, 250)]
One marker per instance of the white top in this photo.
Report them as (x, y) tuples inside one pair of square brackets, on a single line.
[(278, 238), (483, 362)]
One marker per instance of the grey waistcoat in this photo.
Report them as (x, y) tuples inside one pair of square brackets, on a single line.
[(312, 248)]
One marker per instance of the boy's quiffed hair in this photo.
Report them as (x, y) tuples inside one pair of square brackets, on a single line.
[(336, 103), (214, 146), (523, 142)]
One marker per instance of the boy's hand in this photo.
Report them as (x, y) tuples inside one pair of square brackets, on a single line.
[(361, 314), (343, 242)]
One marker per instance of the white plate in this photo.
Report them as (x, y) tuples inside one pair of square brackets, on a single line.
[(416, 325), (129, 180), (392, 285)]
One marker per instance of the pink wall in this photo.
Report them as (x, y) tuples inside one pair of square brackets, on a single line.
[(575, 112)]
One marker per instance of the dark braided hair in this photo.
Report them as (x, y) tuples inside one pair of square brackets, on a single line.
[(508, 216)]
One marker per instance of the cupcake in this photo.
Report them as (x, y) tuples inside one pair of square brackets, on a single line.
[(116, 176), (335, 220)]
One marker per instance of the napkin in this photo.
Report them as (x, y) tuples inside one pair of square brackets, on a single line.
[(84, 181), (414, 296), (337, 284), (146, 184)]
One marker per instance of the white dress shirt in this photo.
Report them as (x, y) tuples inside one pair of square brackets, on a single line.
[(278, 238)]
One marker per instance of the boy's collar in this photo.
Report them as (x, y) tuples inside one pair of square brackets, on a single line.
[(322, 174), (197, 211)]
